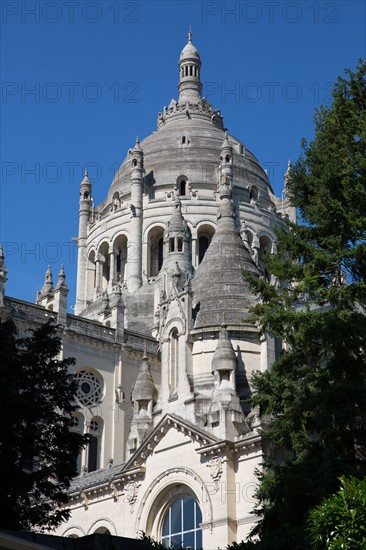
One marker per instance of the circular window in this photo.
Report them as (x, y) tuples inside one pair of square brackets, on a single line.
[(89, 390), (181, 525)]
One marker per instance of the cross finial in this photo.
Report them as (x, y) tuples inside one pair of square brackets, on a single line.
[(190, 33)]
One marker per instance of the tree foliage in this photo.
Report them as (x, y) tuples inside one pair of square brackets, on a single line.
[(37, 448), (313, 398), (339, 521)]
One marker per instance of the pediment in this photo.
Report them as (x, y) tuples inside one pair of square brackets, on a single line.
[(160, 432)]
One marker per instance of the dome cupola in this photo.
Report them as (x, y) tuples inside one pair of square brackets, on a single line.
[(189, 86)]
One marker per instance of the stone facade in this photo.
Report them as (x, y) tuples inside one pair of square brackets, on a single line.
[(161, 337)]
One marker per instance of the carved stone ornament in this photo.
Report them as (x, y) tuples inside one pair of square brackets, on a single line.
[(215, 466), (131, 492)]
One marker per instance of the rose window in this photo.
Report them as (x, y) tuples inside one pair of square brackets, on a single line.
[(89, 390)]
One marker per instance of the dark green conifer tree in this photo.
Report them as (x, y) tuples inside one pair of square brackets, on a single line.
[(313, 399), (38, 450)]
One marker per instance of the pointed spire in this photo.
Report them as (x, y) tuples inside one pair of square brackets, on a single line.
[(48, 282), (226, 143), (47, 289), (137, 146), (61, 282), (86, 177)]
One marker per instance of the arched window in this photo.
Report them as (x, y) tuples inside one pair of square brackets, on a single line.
[(182, 188), (204, 235), (181, 525), (253, 195), (120, 250), (102, 531), (203, 243), (78, 426), (182, 185), (94, 446), (90, 276), (104, 258), (173, 360), (155, 251)]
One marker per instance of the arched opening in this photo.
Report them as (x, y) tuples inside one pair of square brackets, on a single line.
[(182, 186), (203, 243), (94, 446), (183, 140), (116, 200), (173, 360), (155, 251), (253, 194), (90, 276), (204, 237), (134, 162), (104, 259), (120, 250), (102, 531), (181, 524), (78, 427)]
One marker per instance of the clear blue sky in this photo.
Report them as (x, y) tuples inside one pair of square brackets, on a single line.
[(101, 71)]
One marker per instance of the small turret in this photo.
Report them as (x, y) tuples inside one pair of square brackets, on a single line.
[(144, 397), (60, 297), (177, 242), (3, 277), (46, 293), (224, 361), (85, 190), (134, 280), (85, 204), (287, 208), (226, 163), (189, 86)]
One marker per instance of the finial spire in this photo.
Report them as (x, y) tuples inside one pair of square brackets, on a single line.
[(190, 33), (86, 172)]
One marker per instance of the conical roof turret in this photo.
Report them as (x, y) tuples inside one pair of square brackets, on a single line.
[(47, 288), (61, 280), (222, 267), (144, 389), (224, 358)]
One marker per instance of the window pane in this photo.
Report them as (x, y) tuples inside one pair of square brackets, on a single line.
[(188, 513), (198, 516), (165, 530), (176, 516), (176, 540), (93, 453), (198, 539), (188, 539)]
